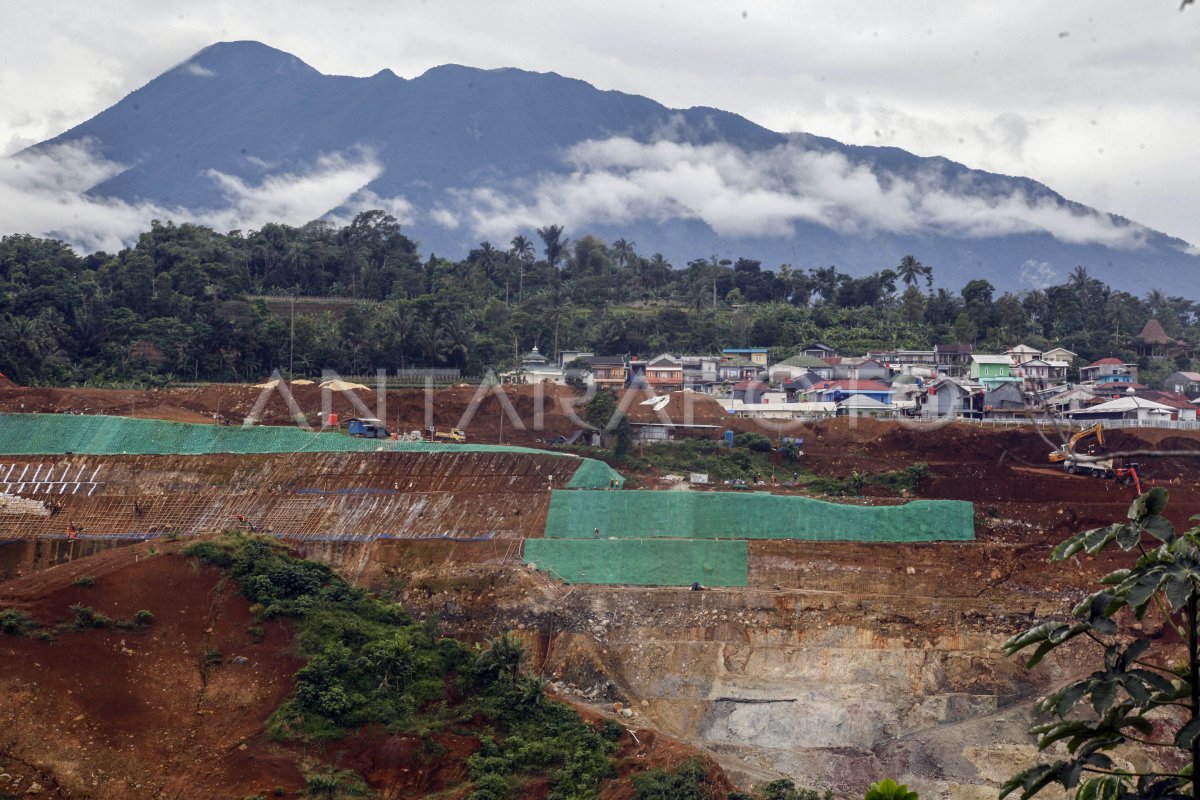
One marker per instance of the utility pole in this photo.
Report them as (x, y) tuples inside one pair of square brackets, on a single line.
[(292, 340)]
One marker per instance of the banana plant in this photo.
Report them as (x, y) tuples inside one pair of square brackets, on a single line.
[(888, 789)]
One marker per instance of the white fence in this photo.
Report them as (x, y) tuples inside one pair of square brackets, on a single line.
[(1063, 422)]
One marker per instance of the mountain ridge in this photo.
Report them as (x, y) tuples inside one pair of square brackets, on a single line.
[(467, 149)]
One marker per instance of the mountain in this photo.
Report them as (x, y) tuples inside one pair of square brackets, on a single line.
[(242, 130)]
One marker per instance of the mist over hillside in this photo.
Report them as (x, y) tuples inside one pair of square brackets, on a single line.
[(242, 134)]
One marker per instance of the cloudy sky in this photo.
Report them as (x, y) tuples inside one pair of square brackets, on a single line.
[(1096, 98)]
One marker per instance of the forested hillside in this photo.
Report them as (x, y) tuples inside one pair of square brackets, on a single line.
[(188, 303)]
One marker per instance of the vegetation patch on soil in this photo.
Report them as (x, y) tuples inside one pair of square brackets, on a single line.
[(370, 664)]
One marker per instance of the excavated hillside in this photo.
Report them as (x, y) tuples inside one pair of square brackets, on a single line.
[(177, 707), (837, 664)]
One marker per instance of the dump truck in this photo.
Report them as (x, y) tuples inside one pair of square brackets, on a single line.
[(451, 435)]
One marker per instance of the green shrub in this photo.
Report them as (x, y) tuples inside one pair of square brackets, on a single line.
[(85, 581), (755, 442), (87, 617), (15, 622), (491, 786), (612, 730), (689, 781)]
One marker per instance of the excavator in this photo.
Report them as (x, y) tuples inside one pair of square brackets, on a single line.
[(1065, 452), (1095, 464)]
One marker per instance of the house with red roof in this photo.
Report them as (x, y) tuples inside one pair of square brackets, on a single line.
[(1108, 370), (1184, 409), (750, 390)]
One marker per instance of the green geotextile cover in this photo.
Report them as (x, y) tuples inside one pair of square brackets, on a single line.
[(742, 515), (593, 474), (49, 434), (642, 562)]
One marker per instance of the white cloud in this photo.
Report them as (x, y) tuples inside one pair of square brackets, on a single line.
[(444, 217), (766, 193), (1038, 274), (293, 197), (45, 193), (192, 68)]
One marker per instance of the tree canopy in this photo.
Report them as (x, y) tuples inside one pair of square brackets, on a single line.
[(187, 302)]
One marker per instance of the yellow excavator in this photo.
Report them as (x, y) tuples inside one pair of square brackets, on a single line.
[(1068, 450), (1097, 466)]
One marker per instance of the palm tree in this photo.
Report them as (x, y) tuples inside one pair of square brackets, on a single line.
[(825, 283), (910, 270), (1080, 280), (555, 244), (434, 342), (502, 658), (622, 252), (522, 251), (489, 257)]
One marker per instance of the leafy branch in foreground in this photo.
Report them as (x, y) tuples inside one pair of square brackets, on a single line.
[(1130, 698)]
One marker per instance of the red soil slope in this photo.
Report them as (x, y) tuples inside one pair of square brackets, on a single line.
[(178, 710)]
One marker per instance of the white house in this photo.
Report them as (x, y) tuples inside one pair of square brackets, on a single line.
[(1125, 408)]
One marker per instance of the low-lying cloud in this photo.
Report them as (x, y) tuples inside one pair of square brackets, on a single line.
[(45, 193), (767, 193), (736, 192)]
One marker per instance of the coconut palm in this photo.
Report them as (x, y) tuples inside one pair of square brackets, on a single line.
[(521, 252), (622, 252), (910, 270), (555, 244)]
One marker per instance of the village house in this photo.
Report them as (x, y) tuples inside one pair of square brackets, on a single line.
[(1129, 408), (818, 350), (700, 373), (861, 369), (732, 370), (1022, 353), (664, 374), (608, 371), (789, 368), (1108, 370), (756, 355), (1036, 371), (1070, 400), (797, 387), (1006, 399), (1183, 382), (945, 398), (749, 391), (901, 358), (992, 370), (1184, 409), (1060, 354), (837, 391), (953, 359), (1154, 344), (859, 405)]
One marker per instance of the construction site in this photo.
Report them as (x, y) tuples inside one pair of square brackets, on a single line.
[(830, 640)]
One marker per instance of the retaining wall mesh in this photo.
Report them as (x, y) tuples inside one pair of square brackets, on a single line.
[(50, 434), (737, 515), (642, 562)]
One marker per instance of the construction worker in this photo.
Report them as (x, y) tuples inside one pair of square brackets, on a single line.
[(71, 529)]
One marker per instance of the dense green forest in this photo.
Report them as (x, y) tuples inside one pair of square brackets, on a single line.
[(187, 303)]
